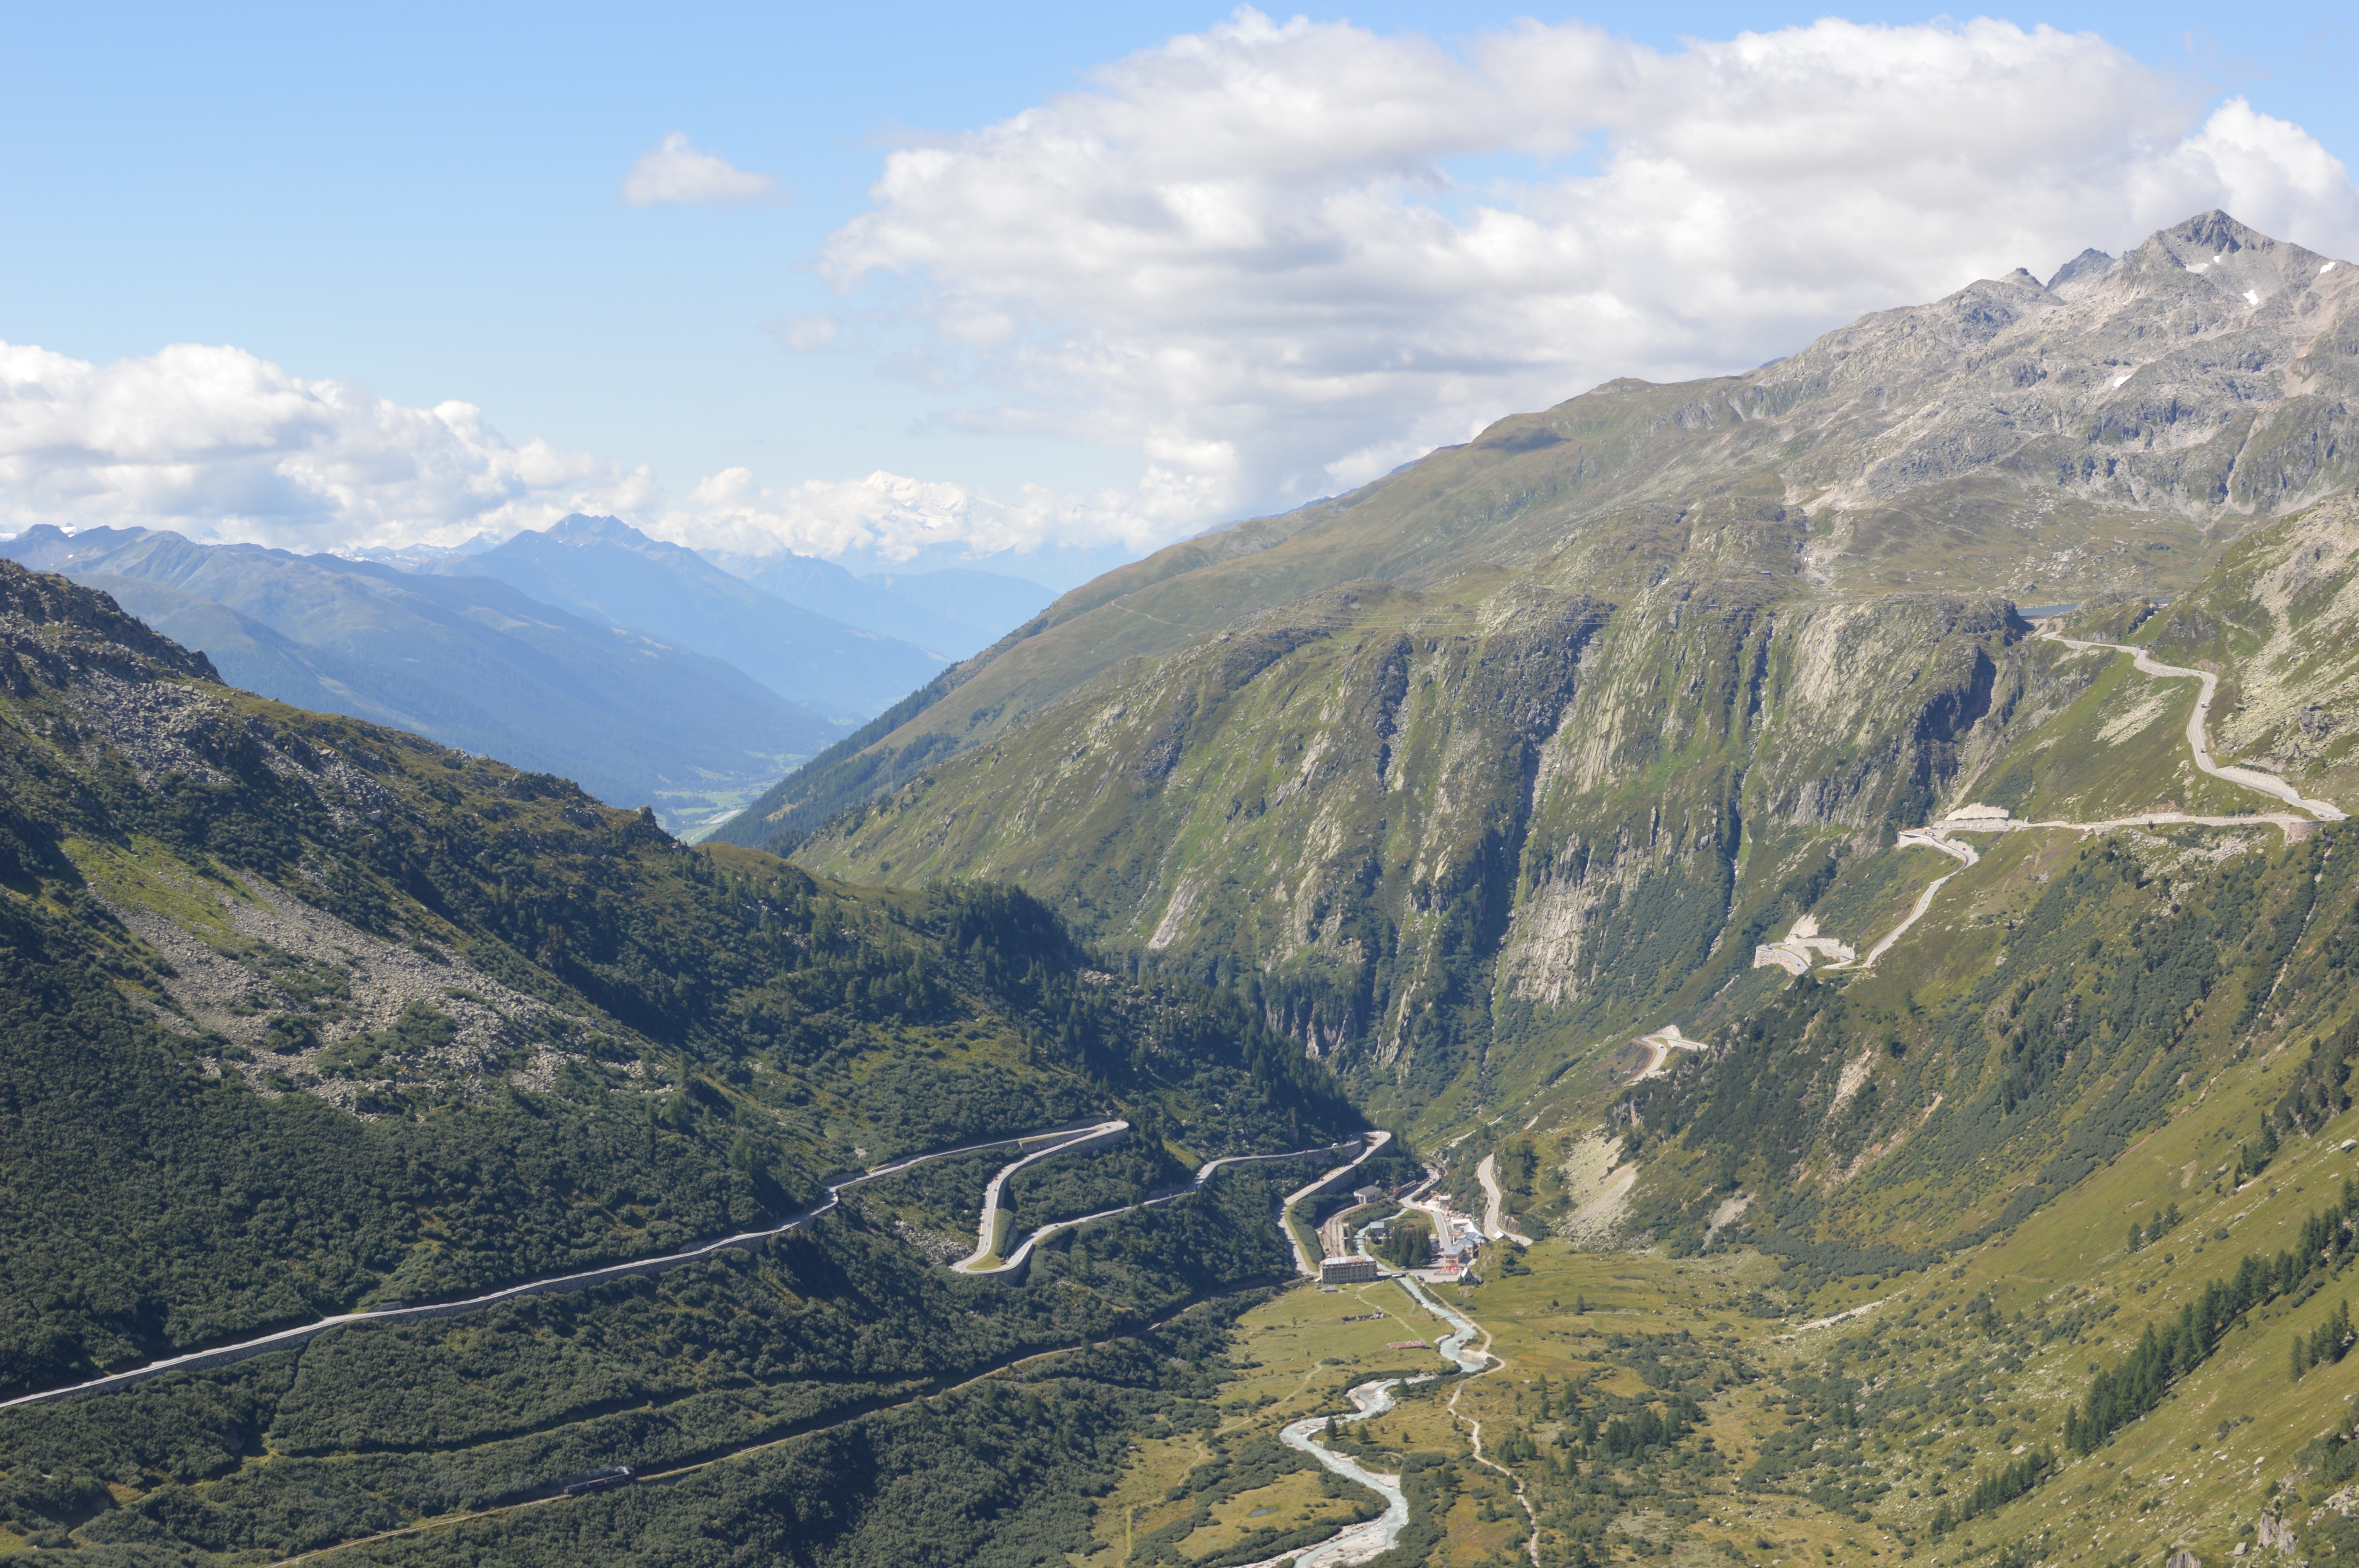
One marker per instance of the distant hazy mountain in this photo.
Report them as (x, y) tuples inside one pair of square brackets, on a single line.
[(988, 601), (469, 662), (606, 567), (955, 612), (1056, 567)]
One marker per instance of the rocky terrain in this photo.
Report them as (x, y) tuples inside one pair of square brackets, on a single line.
[(1845, 860), (1541, 737), (2110, 431)]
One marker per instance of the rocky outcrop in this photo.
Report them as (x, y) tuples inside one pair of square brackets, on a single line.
[(1415, 826), (2038, 443)]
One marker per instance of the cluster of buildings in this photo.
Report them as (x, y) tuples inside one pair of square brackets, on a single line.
[(1457, 1239)]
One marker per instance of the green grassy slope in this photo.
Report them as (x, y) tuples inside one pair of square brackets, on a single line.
[(2055, 1001), (2146, 1035), (2001, 439), (2052, 1213), (2036, 1245), (305, 1012), (1450, 838), (467, 660), (1415, 827)]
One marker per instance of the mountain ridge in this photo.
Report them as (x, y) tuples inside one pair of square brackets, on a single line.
[(1544, 774), (353, 946), (2000, 439), (605, 569), (472, 662), (951, 611)]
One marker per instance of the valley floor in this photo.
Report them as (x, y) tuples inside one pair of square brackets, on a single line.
[(1827, 1429)]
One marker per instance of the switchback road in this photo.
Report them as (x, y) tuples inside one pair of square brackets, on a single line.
[(1069, 1137)]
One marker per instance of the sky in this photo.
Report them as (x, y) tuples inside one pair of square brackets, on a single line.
[(1043, 287)]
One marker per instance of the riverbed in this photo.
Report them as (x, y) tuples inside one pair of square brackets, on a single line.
[(1360, 1542)]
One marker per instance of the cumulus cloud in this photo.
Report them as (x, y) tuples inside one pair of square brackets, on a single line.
[(893, 518), (223, 447), (218, 444), (1274, 260), (678, 174), (1281, 259)]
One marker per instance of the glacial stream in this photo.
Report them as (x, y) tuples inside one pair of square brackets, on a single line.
[(1361, 1541)]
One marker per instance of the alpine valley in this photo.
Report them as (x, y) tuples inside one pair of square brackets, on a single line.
[(1797, 926)]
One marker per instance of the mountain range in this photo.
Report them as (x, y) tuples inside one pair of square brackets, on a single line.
[(468, 661), (605, 569), (1419, 761), (1836, 883), (589, 650), (952, 610), (2108, 432)]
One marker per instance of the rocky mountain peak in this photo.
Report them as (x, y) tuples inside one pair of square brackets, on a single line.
[(2075, 276), (2212, 233), (60, 628), (2240, 261), (580, 529)]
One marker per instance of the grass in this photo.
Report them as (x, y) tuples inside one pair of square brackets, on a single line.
[(145, 875), (1295, 1356), (2071, 768), (2173, 1478)]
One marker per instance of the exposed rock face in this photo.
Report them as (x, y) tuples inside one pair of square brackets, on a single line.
[(1541, 734), (1418, 827), (2206, 373), (285, 984), (267, 987), (2283, 611), (2105, 432), (51, 632)]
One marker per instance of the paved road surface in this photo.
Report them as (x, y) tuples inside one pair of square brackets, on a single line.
[(1372, 1141), (1662, 1042), (2267, 784), (1939, 835), (987, 1232), (1487, 1173), (1067, 1136)]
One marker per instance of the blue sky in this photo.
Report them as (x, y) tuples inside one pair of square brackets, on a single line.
[(425, 203)]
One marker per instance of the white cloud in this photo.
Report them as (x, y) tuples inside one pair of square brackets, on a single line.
[(893, 518), (220, 445), (1276, 260), (223, 447), (1258, 254), (676, 172)]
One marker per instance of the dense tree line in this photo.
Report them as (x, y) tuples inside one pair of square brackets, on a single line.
[(2322, 1090), (1994, 1491), (2126, 1390), (157, 1204), (730, 1030), (369, 1427), (2325, 1345)]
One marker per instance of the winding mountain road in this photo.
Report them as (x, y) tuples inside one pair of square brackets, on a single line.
[(1487, 1173), (1375, 1139), (987, 1232), (1938, 834), (1661, 1043), (1204, 1173), (1070, 1137), (2197, 721)]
